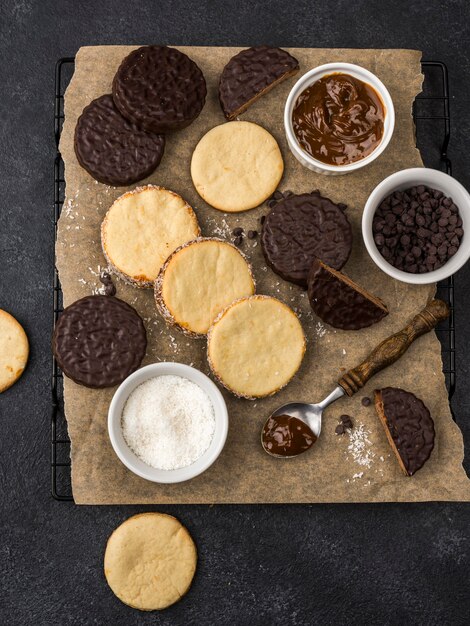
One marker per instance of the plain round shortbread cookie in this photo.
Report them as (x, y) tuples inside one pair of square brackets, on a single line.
[(142, 228), (236, 166), (14, 350), (150, 560), (255, 346), (199, 280)]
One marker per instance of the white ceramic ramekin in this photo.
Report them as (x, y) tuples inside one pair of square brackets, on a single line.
[(410, 178), (127, 456), (311, 77)]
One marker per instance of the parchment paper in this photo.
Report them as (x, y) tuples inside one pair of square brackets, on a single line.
[(335, 470)]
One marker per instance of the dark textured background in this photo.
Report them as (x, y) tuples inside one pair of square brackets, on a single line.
[(335, 564)]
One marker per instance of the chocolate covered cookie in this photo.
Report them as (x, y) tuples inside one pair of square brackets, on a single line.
[(159, 88), (250, 74), (112, 149), (339, 301), (408, 425), (98, 341), (301, 228)]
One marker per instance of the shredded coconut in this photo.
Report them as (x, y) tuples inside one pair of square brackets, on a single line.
[(168, 422), (360, 446)]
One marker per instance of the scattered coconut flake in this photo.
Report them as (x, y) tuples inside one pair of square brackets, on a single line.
[(360, 446), (173, 343)]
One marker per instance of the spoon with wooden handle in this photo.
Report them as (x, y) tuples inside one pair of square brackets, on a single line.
[(383, 355)]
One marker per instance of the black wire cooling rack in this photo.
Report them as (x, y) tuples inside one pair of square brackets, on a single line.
[(432, 120)]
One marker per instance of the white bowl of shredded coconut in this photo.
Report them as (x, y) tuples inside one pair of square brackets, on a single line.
[(167, 422)]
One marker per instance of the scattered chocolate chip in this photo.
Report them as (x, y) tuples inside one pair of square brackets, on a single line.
[(339, 430), (237, 231), (262, 219), (366, 401), (252, 234), (238, 241), (346, 420), (109, 287)]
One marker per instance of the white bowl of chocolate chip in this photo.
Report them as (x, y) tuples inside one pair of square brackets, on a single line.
[(414, 226)]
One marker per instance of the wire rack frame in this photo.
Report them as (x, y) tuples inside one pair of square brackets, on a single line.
[(60, 443)]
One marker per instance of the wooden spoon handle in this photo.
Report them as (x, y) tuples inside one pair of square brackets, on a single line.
[(392, 348)]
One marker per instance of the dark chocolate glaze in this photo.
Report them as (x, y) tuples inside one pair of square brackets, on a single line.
[(340, 302), (301, 228), (98, 341), (113, 150), (159, 88), (250, 74), (409, 425), (339, 119), (285, 435)]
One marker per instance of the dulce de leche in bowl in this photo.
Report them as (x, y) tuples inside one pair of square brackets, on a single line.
[(338, 117)]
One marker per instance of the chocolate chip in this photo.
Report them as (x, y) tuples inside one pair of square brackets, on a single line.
[(262, 219), (238, 241), (237, 231), (252, 234), (420, 220), (339, 430), (365, 401)]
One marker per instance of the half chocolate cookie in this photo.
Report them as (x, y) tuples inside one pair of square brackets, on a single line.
[(302, 228), (159, 88), (339, 301), (250, 74), (408, 425)]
